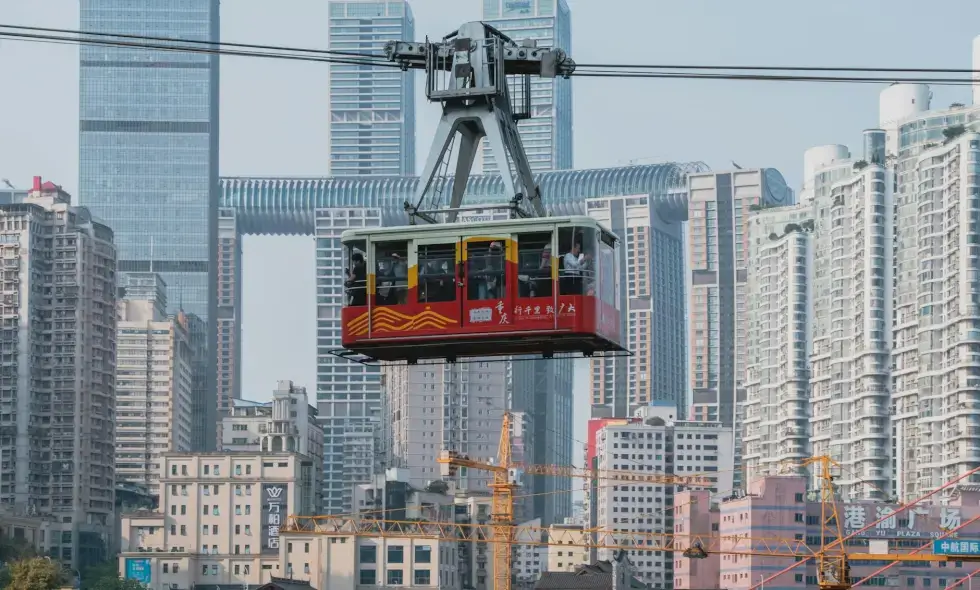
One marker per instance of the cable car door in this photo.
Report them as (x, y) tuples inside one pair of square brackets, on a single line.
[(489, 269), (434, 277)]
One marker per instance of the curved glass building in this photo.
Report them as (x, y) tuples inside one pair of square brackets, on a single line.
[(348, 394)]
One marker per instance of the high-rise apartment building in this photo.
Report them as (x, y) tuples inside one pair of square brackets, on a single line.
[(57, 387), (657, 443), (148, 151), (851, 319), (154, 381), (779, 311), (547, 134), (938, 416), (718, 217), (372, 108), (348, 394), (651, 299), (286, 423), (228, 372), (445, 407)]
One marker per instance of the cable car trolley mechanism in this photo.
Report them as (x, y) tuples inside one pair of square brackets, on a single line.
[(443, 289)]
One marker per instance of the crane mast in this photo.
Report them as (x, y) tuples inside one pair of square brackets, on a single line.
[(476, 72)]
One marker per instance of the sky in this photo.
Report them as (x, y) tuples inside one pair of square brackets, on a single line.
[(274, 113)]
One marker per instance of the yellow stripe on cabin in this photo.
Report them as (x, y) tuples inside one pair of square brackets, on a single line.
[(413, 276)]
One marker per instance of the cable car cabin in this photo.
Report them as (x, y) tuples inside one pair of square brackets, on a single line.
[(495, 288)]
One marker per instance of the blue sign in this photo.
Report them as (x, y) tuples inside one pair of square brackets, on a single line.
[(139, 570), (956, 547)]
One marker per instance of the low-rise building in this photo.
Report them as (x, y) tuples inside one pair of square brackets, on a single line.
[(567, 547), (287, 423), (219, 520), (781, 506)]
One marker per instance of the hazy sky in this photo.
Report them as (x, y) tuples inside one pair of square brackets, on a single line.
[(274, 113)]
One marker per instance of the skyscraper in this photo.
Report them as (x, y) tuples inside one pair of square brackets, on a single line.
[(547, 134), (718, 217), (57, 387), (148, 150), (651, 294), (372, 109)]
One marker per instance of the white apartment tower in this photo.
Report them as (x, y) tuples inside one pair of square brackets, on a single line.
[(456, 407), (939, 415), (287, 423), (850, 375), (154, 380), (779, 310), (659, 444), (57, 378)]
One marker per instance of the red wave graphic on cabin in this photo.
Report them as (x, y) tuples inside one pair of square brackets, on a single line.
[(388, 320)]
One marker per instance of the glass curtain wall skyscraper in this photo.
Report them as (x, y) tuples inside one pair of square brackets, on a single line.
[(148, 153), (547, 135), (372, 109)]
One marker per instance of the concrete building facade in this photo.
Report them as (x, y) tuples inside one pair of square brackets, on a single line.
[(779, 301), (656, 444), (718, 219), (57, 384), (219, 520), (651, 302), (782, 507), (154, 381), (287, 423)]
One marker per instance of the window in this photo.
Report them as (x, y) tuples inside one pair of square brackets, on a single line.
[(369, 577), (437, 273), (391, 273), (395, 577), (166, 568), (485, 276), (173, 470), (173, 510), (355, 273), (396, 554), (369, 554), (576, 248), (238, 469), (534, 265), (423, 554), (248, 470), (423, 577)]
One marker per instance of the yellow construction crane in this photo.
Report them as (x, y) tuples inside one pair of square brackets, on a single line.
[(833, 561), (506, 478)]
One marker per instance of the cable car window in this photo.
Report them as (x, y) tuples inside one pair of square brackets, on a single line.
[(607, 273), (437, 273), (391, 272), (355, 273), (485, 275), (534, 265), (576, 270)]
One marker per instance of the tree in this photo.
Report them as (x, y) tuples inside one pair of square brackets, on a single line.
[(953, 131), (36, 573), (860, 165)]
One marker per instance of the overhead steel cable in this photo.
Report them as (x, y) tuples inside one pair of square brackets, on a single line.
[(182, 49), (781, 68), (252, 46), (69, 36)]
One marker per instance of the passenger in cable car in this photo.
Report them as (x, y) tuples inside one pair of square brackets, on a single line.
[(391, 274), (575, 265), (486, 271), (534, 270), (356, 282), (437, 280)]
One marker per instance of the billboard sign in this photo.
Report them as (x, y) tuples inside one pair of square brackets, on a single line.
[(139, 570), (275, 507)]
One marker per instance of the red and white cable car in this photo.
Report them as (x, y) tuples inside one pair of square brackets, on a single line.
[(496, 288)]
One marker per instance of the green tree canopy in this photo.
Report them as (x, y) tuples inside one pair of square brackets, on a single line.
[(106, 577), (36, 573)]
